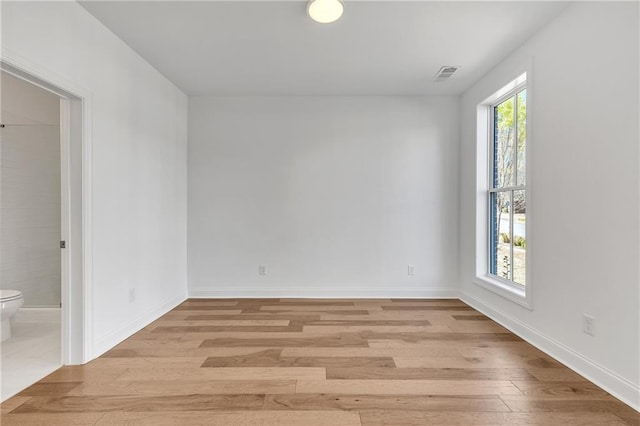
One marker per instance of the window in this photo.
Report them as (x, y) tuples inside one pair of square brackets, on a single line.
[(502, 199), (507, 190)]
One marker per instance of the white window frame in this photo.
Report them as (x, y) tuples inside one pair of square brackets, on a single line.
[(508, 289)]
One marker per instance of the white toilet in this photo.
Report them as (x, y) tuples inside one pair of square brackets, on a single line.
[(10, 302)]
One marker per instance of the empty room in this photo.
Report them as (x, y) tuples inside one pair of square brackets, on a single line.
[(320, 212)]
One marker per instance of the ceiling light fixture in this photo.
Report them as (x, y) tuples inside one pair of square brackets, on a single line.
[(325, 11)]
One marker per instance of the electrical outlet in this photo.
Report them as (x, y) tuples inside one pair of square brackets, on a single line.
[(132, 295), (262, 270), (411, 270), (588, 324)]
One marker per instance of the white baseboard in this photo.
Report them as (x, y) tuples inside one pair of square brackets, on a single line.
[(611, 382), (325, 293), (112, 339)]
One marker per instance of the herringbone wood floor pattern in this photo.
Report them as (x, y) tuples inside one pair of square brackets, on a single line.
[(310, 362)]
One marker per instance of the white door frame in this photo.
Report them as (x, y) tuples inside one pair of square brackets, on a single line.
[(76, 203)]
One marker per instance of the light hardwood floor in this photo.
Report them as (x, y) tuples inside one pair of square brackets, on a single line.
[(317, 362)]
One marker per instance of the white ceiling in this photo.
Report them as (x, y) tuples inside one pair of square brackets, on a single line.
[(273, 48)]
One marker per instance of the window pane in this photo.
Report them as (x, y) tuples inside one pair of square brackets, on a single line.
[(500, 244), (493, 233), (519, 237), (503, 144), (522, 138)]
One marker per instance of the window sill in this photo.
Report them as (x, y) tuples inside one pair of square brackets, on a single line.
[(507, 291)]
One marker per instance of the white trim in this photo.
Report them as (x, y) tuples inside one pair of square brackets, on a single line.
[(65, 222), (144, 319), (325, 293), (521, 77), (87, 227), (506, 91), (77, 298), (616, 385), (508, 189), (508, 291)]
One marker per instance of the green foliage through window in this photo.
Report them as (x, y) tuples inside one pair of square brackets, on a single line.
[(508, 192)]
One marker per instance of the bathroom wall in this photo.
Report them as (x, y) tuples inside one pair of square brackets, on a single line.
[(30, 192)]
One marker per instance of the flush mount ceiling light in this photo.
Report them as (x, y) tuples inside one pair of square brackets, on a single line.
[(325, 11)]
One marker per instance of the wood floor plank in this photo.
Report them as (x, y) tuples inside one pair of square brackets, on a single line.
[(427, 307), (185, 387), (235, 418), (477, 327), (303, 304), (523, 351), (273, 358), (344, 332), (243, 373), (299, 316), (367, 322), (409, 387), (218, 322), (375, 328), (413, 338), (147, 334), (555, 375), (158, 343), (204, 353), (330, 300), (145, 362), (340, 340), (433, 343), (12, 403), (629, 418), (304, 311), (84, 404), (422, 418), (529, 404), (51, 419), (49, 388), (84, 373), (202, 310), (428, 301), (563, 389), (366, 373), (317, 308), (380, 316), (463, 362), (291, 327), (422, 351), (470, 317), (331, 402), (441, 336)]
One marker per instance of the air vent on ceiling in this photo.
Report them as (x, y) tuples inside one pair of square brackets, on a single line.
[(445, 72)]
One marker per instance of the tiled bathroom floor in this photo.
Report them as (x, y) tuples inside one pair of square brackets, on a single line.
[(32, 352)]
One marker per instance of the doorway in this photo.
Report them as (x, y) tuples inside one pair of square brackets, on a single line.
[(30, 232), (41, 227)]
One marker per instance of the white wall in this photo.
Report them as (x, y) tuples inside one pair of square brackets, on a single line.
[(336, 195), (583, 199), (30, 192), (138, 164)]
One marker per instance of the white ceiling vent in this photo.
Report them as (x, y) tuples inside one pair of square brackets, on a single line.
[(445, 72)]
